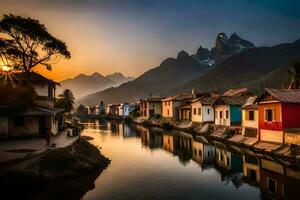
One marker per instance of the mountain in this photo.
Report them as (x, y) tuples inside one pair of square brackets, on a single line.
[(82, 84), (253, 68), (232, 63), (224, 48), (172, 72), (119, 78)]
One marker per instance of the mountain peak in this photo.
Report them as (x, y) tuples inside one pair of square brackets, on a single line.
[(182, 54), (96, 74)]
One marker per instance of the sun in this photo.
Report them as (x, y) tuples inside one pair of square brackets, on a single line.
[(6, 68)]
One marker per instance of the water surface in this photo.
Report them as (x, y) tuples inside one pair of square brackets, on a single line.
[(152, 163)]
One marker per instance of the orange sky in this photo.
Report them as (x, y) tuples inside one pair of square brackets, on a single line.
[(133, 36)]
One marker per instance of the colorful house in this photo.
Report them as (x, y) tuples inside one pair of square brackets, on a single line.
[(35, 121), (250, 118), (228, 110), (279, 114), (202, 110), (170, 104), (123, 110)]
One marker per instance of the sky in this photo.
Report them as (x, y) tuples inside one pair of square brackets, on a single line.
[(133, 36)]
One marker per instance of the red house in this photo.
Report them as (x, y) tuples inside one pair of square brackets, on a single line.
[(279, 115)]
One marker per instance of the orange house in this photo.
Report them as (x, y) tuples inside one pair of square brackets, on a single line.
[(278, 111)]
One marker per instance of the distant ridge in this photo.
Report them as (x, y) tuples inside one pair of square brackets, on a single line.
[(82, 84)]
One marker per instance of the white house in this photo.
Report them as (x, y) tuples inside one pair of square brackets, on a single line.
[(202, 110)]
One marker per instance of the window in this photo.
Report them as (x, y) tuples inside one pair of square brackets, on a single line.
[(221, 114), (165, 103), (251, 115), (272, 185), (208, 154), (169, 102), (269, 115), (50, 92), (168, 112), (199, 111), (195, 152), (227, 114), (208, 110), (195, 111), (19, 121), (199, 152)]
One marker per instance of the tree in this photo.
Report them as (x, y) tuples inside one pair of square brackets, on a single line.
[(30, 44), (65, 100), (293, 79), (81, 110)]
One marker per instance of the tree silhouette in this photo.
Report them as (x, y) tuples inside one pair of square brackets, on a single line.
[(29, 43), (65, 100), (293, 79)]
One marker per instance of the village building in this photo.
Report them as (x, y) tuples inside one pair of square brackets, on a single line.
[(153, 107), (279, 114), (36, 120), (185, 112), (123, 110), (228, 110), (250, 118), (202, 110), (112, 109), (143, 108), (170, 104)]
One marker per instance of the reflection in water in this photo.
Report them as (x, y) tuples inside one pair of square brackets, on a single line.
[(225, 171)]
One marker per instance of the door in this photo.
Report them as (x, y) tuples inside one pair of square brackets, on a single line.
[(42, 125)]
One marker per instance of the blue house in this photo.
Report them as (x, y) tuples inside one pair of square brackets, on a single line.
[(228, 110)]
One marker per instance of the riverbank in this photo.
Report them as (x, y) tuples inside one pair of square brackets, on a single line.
[(227, 135), (52, 166)]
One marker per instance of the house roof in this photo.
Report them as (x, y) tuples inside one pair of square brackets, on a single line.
[(34, 77), (38, 111), (154, 99), (283, 95), (205, 100), (180, 97), (186, 106), (236, 92), (231, 100), (250, 103)]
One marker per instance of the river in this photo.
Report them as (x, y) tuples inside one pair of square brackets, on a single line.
[(152, 163)]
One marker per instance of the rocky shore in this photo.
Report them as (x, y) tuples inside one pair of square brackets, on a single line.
[(227, 135), (52, 166)]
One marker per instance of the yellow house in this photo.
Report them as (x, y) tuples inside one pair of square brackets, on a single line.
[(250, 118), (170, 104)]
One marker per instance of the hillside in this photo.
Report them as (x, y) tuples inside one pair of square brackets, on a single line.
[(253, 68), (82, 84), (171, 73)]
